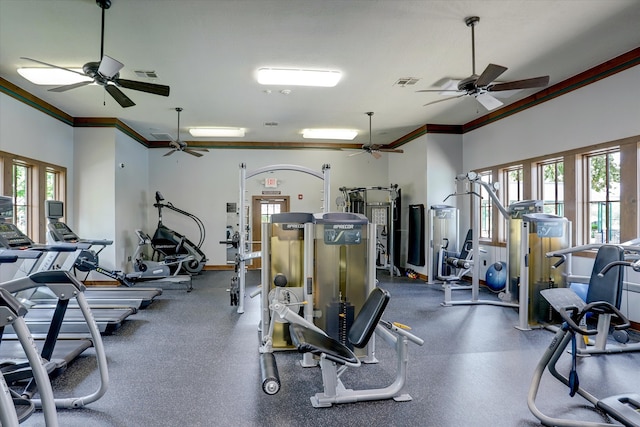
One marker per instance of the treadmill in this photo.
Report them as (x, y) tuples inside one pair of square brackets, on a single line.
[(87, 260), (67, 287), (31, 361), (108, 319)]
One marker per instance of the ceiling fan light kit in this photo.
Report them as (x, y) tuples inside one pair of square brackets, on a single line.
[(481, 86)]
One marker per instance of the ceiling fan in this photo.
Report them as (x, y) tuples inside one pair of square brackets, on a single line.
[(106, 73), (480, 87), (375, 149), (177, 145)]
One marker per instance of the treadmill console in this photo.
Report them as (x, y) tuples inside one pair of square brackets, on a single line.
[(62, 233), (12, 238)]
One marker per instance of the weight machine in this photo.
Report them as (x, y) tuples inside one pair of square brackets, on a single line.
[(473, 181), (606, 283), (537, 232), (384, 215), (245, 254)]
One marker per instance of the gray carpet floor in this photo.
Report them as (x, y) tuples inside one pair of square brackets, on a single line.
[(191, 360)]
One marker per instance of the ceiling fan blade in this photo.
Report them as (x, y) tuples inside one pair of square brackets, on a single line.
[(488, 101), (69, 87), (193, 153), (489, 74), (441, 90), (53, 66), (144, 87), (170, 153), (357, 153), (445, 99), (109, 67), (391, 150), (204, 150), (120, 97), (520, 84)]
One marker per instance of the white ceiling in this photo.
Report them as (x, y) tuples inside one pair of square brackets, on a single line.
[(207, 51)]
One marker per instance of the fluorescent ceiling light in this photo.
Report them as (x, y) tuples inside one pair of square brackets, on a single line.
[(217, 132), (346, 134), (53, 76), (297, 77)]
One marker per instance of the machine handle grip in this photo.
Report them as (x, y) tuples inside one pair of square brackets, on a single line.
[(611, 265), (256, 292), (399, 329), (572, 316), (561, 261)]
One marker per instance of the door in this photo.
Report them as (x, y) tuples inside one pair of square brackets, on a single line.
[(262, 207)]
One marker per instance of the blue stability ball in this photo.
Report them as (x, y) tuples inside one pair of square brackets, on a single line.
[(496, 277), (581, 289)]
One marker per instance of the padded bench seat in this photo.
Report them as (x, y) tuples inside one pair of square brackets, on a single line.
[(310, 341)]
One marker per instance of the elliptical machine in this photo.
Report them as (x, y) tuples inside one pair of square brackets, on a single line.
[(167, 243)]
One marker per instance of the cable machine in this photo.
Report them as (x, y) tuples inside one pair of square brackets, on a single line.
[(385, 216), (473, 181), (244, 250)]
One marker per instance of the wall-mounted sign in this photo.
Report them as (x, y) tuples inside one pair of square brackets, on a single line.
[(271, 182)]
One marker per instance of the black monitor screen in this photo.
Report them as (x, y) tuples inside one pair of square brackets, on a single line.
[(54, 209), (6, 207)]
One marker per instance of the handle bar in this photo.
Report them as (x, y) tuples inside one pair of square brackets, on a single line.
[(634, 265), (569, 313), (561, 261)]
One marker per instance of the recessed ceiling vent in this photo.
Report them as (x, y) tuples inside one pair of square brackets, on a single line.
[(270, 124), (146, 74), (406, 81)]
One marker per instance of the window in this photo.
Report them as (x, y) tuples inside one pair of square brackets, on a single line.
[(268, 209), (551, 186), (30, 182), (486, 208), (21, 196), (595, 187), (514, 185), (602, 184)]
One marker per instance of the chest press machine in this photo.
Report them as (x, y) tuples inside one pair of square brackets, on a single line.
[(624, 408)]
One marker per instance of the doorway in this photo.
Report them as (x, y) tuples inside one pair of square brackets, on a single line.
[(262, 207)]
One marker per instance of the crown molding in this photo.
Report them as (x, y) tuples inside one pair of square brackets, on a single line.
[(599, 72)]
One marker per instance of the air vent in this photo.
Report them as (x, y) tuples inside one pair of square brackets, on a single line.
[(406, 81), (146, 74), (271, 124), (162, 136)]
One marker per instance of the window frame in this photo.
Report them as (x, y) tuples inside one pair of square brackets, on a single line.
[(573, 203), (587, 230), (37, 189)]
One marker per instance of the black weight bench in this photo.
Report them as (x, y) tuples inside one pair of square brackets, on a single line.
[(335, 356)]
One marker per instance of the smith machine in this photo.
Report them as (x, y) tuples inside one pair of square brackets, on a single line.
[(244, 244)]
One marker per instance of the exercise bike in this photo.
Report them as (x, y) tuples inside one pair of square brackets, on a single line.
[(167, 243), (623, 408)]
